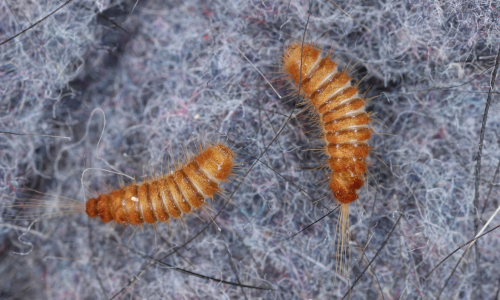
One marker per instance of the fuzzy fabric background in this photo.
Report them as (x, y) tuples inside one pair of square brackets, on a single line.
[(175, 73)]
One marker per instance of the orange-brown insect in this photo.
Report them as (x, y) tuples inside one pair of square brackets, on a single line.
[(170, 195), (342, 118)]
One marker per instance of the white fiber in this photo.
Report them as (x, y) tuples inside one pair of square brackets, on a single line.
[(178, 72)]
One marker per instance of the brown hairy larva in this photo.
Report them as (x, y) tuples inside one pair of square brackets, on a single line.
[(170, 195), (157, 199), (343, 122)]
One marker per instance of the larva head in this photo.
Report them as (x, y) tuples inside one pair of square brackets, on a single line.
[(217, 161), (296, 53)]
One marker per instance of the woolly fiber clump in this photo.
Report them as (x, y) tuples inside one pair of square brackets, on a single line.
[(136, 85)]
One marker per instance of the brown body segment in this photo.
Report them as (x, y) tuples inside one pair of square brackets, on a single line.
[(336, 100), (198, 178), (348, 150), (132, 205), (344, 185), (332, 86), (189, 191), (145, 203), (168, 196), (347, 121), (105, 208), (293, 59), (168, 199), (321, 74), (216, 161), (91, 208), (341, 113), (177, 195), (118, 204), (348, 136), (341, 110), (159, 206), (353, 164)]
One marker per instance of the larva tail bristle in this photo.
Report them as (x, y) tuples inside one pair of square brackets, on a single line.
[(33, 205), (342, 241)]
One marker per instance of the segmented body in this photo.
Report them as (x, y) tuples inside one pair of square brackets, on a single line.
[(342, 116), (158, 199)]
